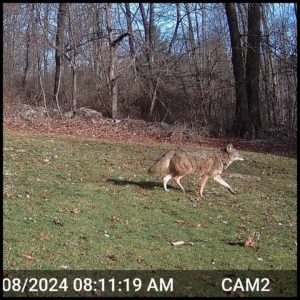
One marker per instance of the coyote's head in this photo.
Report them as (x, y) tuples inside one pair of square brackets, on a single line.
[(232, 155)]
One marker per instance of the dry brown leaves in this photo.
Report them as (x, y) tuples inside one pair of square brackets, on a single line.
[(125, 130)]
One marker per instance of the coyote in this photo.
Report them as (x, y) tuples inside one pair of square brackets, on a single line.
[(177, 164)]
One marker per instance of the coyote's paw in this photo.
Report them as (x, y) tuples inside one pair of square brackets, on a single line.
[(233, 192)]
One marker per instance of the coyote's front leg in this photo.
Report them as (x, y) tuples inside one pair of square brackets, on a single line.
[(218, 179)]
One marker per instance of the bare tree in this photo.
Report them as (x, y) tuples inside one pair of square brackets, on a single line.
[(253, 68), (59, 50), (180, 72), (241, 125), (29, 32), (149, 32), (113, 43), (72, 58), (178, 21), (195, 63), (268, 72), (130, 30)]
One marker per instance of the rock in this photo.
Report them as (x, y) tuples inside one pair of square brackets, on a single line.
[(69, 114), (84, 112), (88, 112), (41, 111), (28, 113), (164, 125)]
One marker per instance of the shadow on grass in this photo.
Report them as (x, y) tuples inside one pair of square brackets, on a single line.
[(148, 185)]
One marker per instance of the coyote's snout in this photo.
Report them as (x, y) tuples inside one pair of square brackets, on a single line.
[(177, 164)]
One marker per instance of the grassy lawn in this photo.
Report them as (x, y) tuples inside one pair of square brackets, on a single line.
[(79, 203)]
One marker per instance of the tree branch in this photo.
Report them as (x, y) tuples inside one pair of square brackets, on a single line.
[(119, 39)]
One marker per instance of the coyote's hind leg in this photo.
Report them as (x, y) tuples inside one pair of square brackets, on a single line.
[(166, 180)]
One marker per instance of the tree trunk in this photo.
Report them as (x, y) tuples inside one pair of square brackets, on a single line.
[(61, 16), (28, 46), (196, 65), (178, 17), (241, 124), (74, 89), (72, 60), (154, 77), (129, 27), (253, 68), (112, 77), (153, 80), (45, 50), (130, 40), (204, 42), (146, 29), (112, 83), (153, 97), (269, 66)]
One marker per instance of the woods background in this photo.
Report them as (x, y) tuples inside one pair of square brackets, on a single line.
[(220, 69)]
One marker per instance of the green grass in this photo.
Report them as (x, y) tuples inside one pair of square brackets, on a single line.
[(82, 203)]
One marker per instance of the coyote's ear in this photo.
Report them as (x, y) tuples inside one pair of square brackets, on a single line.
[(229, 148)]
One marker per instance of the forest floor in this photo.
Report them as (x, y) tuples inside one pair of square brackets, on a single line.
[(273, 141)]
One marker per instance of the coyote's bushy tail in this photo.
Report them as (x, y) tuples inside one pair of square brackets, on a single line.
[(162, 164)]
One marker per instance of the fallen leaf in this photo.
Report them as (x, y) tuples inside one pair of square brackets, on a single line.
[(32, 220), (113, 257), (140, 259), (250, 242), (260, 259), (43, 237), (79, 166), (75, 210), (156, 235), (27, 256), (7, 193), (64, 267), (180, 221), (57, 222), (177, 243), (97, 293), (116, 219)]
